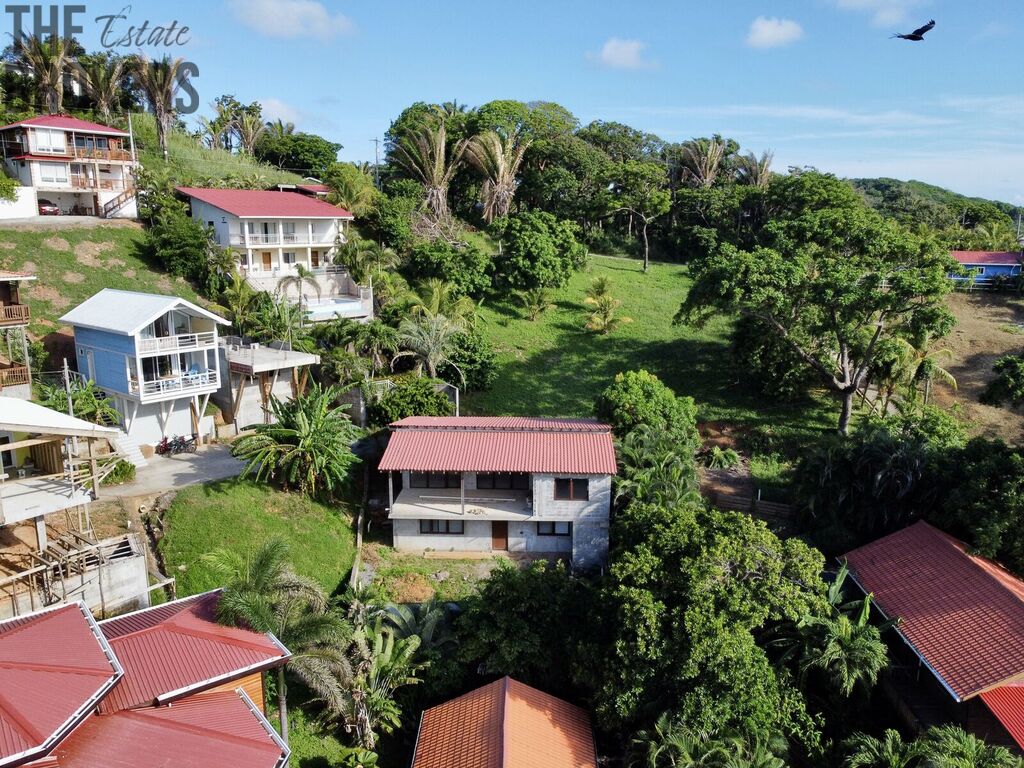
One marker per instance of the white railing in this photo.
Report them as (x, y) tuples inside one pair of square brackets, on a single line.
[(180, 343), (179, 384), (287, 238)]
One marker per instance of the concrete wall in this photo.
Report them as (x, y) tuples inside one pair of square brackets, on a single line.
[(145, 427), (251, 409), (224, 224), (24, 206)]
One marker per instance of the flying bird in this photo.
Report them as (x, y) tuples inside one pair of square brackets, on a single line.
[(918, 34)]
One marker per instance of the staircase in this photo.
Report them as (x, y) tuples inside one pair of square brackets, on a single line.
[(128, 447), (113, 206)]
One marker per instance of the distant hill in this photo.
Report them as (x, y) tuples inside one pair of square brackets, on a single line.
[(917, 202)]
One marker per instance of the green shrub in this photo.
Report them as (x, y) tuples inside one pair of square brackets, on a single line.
[(639, 397), (123, 472), (1008, 385), (463, 265), (410, 396), (7, 187), (180, 244), (720, 458), (475, 357), (538, 251)]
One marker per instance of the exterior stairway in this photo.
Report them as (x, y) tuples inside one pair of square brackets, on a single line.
[(129, 449), (113, 206)]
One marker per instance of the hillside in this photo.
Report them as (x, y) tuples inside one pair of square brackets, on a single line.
[(920, 201)]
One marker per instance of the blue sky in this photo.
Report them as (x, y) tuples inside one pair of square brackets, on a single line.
[(816, 81)]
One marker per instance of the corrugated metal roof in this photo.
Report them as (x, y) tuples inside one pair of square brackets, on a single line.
[(1007, 704), (471, 444), (268, 204), (53, 667), (66, 123), (963, 614), (185, 651), (505, 724), (128, 312), (18, 415), (210, 730), (988, 258)]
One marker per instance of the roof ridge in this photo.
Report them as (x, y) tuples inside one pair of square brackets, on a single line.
[(22, 725), (238, 642), (44, 667), (503, 745), (153, 716)]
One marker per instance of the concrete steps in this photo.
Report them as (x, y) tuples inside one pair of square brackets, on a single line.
[(129, 448)]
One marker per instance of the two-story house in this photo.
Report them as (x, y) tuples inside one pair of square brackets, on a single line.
[(274, 233), (81, 167), (155, 357), (15, 374), (501, 484)]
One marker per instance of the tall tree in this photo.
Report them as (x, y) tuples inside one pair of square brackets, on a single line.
[(832, 281), (250, 129), (426, 156), (160, 80), (48, 60), (431, 342), (702, 160), (498, 158), (101, 78), (890, 751), (640, 191)]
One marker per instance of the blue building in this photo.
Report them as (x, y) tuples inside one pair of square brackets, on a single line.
[(155, 357), (986, 267)]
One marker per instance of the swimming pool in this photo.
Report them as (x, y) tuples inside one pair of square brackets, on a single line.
[(328, 309)]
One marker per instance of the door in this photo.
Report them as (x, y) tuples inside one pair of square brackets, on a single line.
[(499, 535), (266, 256), (314, 259)]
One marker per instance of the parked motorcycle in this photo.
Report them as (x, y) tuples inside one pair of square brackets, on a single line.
[(177, 444)]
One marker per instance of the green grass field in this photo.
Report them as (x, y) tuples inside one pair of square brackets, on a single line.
[(554, 367), (72, 264), (240, 514)]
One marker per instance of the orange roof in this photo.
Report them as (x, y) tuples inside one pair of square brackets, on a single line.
[(505, 724), (1007, 704), (962, 614)]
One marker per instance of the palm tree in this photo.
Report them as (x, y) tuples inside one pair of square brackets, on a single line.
[(365, 260), (948, 746), (239, 298), (849, 651), (299, 280), (249, 128), (101, 77), (536, 301), (890, 751), (48, 61), (926, 370), (603, 319), (432, 341), (426, 156), (702, 161), (355, 193), (754, 171), (600, 286), (279, 128), (434, 296), (160, 80), (343, 366), (309, 447), (263, 593), (428, 621), (378, 340), (280, 320), (996, 236), (672, 745), (498, 159), (88, 402)]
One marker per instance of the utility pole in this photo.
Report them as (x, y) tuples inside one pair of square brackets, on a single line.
[(376, 162), (71, 405)]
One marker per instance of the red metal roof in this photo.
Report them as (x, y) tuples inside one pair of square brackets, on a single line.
[(1007, 704), (66, 123), (505, 724), (181, 652), (987, 258), (500, 444), (54, 666), (963, 614), (210, 730), (253, 203)]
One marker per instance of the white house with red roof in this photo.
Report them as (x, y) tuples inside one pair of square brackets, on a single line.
[(163, 686), (81, 167), (275, 232), (986, 267), (501, 484), (961, 620)]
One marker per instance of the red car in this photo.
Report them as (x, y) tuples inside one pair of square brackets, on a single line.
[(46, 208)]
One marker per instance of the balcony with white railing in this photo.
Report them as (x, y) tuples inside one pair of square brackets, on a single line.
[(176, 385), (182, 342)]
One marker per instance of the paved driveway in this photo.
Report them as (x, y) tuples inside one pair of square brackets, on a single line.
[(167, 473)]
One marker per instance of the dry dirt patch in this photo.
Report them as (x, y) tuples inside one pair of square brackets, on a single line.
[(29, 266), (73, 277), (8, 246), (50, 294), (989, 325), (87, 251), (57, 244)]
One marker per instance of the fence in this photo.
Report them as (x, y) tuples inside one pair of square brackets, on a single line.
[(772, 512)]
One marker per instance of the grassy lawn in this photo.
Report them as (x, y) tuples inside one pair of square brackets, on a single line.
[(73, 264), (240, 515), (553, 367), (412, 578)]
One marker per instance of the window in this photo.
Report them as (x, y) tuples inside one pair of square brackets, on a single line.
[(289, 257), (6, 457), (444, 527), (554, 529), (572, 489), (288, 230), (53, 173), (503, 481), (434, 480), (50, 141)]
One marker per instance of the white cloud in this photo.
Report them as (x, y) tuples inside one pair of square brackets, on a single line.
[(290, 18), (773, 32), (892, 118), (884, 13), (275, 109), (619, 53)]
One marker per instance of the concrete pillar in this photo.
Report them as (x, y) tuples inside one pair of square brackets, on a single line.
[(41, 533)]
